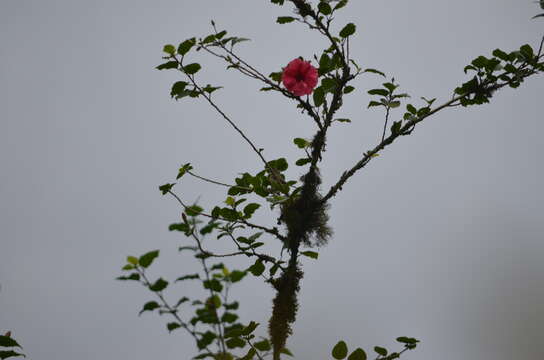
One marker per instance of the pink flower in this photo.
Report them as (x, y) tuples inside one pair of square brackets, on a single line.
[(299, 77)]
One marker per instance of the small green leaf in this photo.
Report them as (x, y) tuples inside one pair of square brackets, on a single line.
[(395, 129), (310, 254), (285, 19), (193, 210), (168, 65), (319, 96), (185, 46), (146, 259), (7, 341), (250, 328), (340, 350), (348, 89), (132, 260), (9, 353), (374, 103), (343, 120), (382, 92), (165, 189), (235, 342), (301, 143), (188, 277), (133, 276), (374, 71), (324, 8), (257, 269), (172, 326), (229, 317), (358, 354), (128, 267), (263, 345), (159, 285), (341, 4), (192, 69), (169, 49), (276, 76), (149, 306), (348, 30), (303, 161), (380, 350), (249, 209)]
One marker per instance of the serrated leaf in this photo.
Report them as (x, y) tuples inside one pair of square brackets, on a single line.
[(340, 350)]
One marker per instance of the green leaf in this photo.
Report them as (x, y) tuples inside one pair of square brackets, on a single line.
[(210, 89), (185, 46), (132, 260), (192, 69), (527, 52), (343, 120), (229, 317), (169, 49), (146, 259), (301, 143), (319, 96), (310, 254), (381, 92), (249, 209), (263, 345), (7, 341), (172, 326), (285, 19), (188, 277), (303, 161), (133, 276), (9, 353), (380, 350), (329, 85), (257, 269), (276, 76), (407, 340), (340, 350), (159, 285), (207, 338), (250, 328), (168, 65), (150, 306), (395, 128), (193, 210), (348, 30), (324, 8), (128, 267), (212, 284), (394, 104), (235, 342), (348, 89), (166, 188), (411, 109), (390, 86), (185, 167), (358, 354), (250, 354), (374, 103), (178, 90), (341, 4), (374, 71)]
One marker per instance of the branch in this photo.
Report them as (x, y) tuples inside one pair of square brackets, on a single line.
[(273, 231)]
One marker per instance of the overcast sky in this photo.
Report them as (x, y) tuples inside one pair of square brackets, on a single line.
[(440, 238)]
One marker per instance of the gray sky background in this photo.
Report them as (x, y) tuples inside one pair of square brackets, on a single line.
[(440, 238)]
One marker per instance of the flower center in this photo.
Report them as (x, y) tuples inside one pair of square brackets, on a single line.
[(299, 77)]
